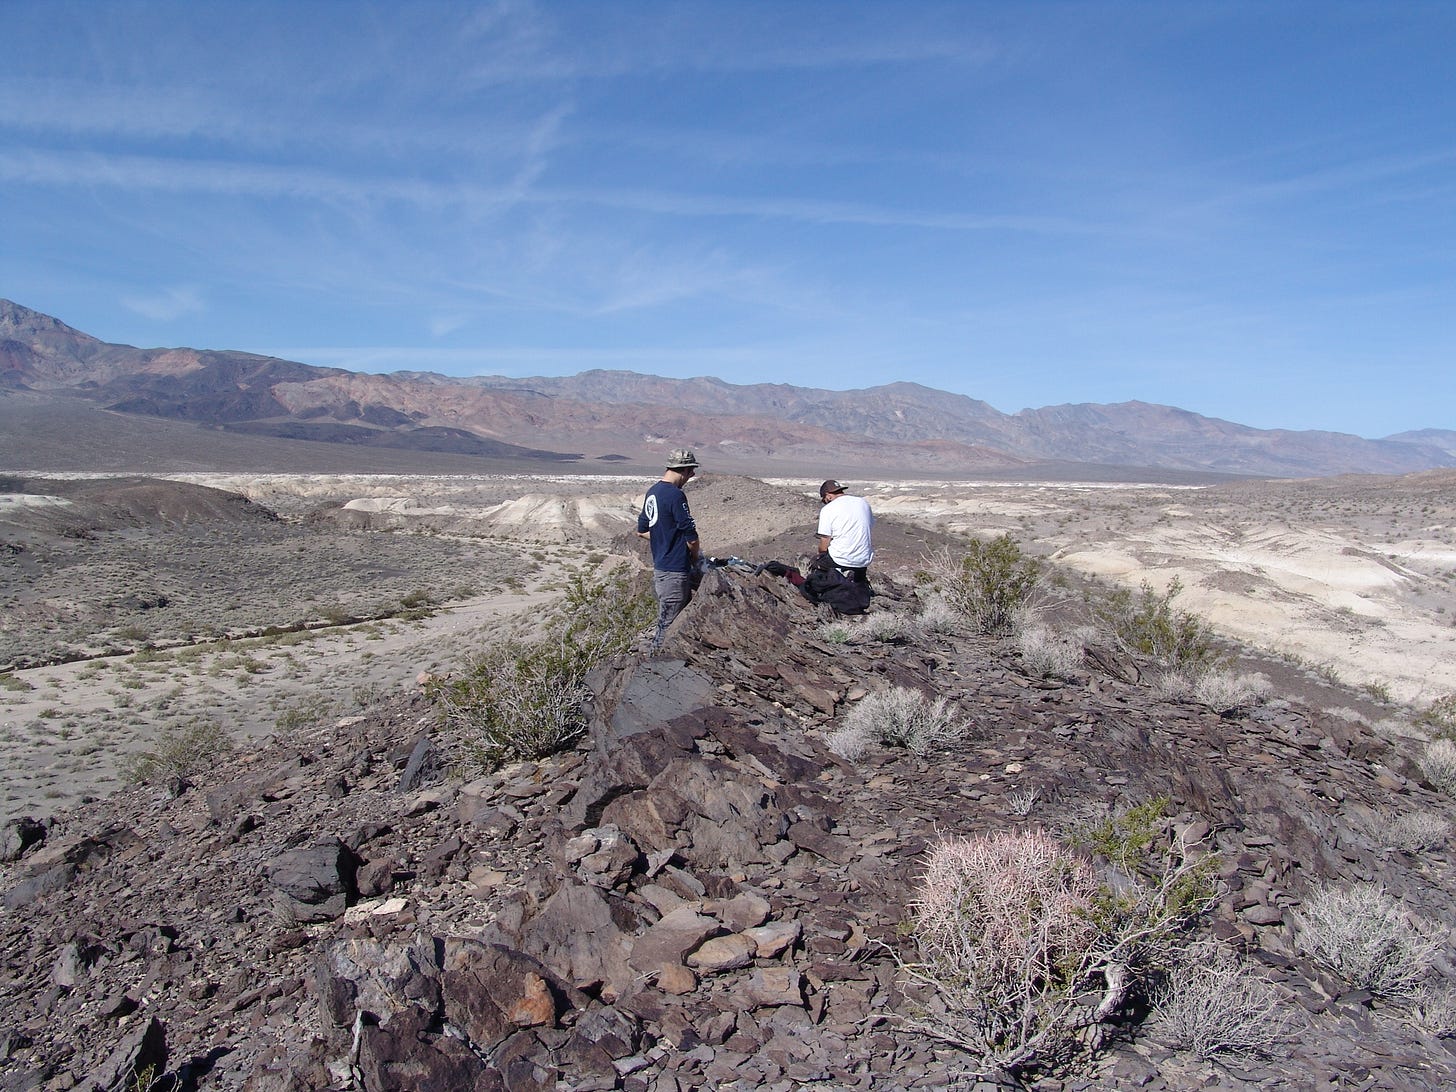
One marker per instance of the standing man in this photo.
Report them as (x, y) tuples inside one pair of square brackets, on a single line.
[(666, 523), (844, 530)]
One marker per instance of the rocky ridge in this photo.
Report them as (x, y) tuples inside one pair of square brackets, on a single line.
[(699, 895)]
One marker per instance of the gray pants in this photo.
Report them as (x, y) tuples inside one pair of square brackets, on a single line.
[(673, 590)]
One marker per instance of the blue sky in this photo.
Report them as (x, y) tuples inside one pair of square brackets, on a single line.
[(1244, 209)]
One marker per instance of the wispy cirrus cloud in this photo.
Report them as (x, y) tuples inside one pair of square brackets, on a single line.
[(167, 305), (45, 167)]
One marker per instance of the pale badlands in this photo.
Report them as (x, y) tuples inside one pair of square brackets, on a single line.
[(1350, 576)]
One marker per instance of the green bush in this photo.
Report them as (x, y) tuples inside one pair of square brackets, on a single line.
[(180, 751), (1148, 624), (523, 698), (1124, 840), (989, 584), (1439, 718)]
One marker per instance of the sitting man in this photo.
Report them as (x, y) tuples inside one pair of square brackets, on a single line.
[(844, 530)]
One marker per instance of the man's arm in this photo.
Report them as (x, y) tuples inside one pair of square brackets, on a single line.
[(824, 541)]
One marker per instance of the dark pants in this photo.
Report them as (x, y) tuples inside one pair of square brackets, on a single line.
[(859, 573)]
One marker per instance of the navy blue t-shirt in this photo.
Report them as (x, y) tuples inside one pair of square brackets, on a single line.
[(665, 514)]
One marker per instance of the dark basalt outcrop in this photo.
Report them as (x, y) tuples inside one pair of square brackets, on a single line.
[(700, 895)]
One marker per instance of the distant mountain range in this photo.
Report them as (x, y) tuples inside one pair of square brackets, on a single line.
[(617, 416)]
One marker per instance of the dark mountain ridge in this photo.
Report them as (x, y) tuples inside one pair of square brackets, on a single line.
[(900, 427)]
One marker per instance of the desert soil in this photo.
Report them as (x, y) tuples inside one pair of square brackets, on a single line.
[(1349, 580)]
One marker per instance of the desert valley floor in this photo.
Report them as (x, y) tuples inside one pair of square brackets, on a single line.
[(165, 618)]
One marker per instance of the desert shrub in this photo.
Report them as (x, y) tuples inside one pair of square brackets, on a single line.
[(1148, 624), (304, 713), (1044, 651), (180, 750), (1027, 953), (520, 700), (1362, 934), (1126, 838), (523, 698), (873, 627), (1439, 718), (1022, 801), (417, 604), (987, 584), (1213, 1003), (849, 741), (1219, 689), (881, 626), (938, 616), (904, 717), (1433, 1010), (1409, 832), (1222, 690), (1438, 761)]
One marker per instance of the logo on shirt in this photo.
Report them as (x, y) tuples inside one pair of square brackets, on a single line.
[(649, 509)]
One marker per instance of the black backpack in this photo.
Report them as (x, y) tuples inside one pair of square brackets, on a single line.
[(846, 593)]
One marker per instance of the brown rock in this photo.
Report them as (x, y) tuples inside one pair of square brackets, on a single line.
[(773, 986), (720, 954), (535, 1007), (671, 939), (772, 940), (676, 979)]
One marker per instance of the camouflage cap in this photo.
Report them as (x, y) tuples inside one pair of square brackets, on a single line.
[(681, 459)]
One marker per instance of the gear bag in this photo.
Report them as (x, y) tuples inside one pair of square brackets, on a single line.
[(824, 583)]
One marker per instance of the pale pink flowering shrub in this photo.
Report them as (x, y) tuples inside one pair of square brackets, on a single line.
[(1005, 926), (1029, 954)]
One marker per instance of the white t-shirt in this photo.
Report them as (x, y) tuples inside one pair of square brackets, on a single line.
[(847, 521)]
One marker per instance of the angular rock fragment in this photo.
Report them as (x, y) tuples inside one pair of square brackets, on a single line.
[(313, 883)]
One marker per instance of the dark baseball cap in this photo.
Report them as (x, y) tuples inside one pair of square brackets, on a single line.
[(829, 487)]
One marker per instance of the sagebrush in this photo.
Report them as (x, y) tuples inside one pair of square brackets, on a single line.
[(1407, 831), (938, 616), (1045, 651), (1221, 690), (1214, 1003), (1364, 936), (904, 717), (1438, 761)]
